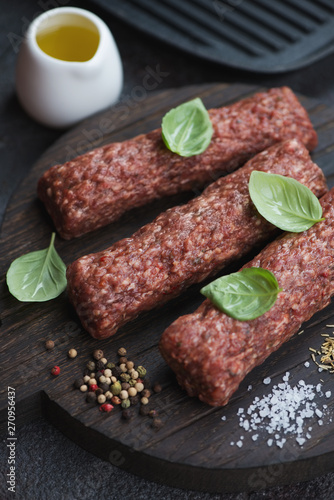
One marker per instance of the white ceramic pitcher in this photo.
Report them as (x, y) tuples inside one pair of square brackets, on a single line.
[(60, 93)]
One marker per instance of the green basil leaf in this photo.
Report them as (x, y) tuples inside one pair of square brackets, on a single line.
[(284, 202), (244, 295), (37, 276), (187, 129)]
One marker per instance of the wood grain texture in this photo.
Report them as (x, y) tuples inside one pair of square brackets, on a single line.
[(192, 449)]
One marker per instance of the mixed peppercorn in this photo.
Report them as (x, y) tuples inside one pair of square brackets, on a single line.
[(109, 384), (118, 384)]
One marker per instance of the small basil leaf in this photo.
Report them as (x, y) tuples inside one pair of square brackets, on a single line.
[(284, 202), (37, 276), (187, 129), (244, 295)]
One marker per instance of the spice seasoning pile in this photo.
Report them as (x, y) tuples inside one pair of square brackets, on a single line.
[(118, 384), (326, 353)]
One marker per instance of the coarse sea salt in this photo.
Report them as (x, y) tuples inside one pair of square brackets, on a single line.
[(286, 411)]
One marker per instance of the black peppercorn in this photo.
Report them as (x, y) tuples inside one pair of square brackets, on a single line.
[(145, 393), (125, 386), (91, 397), (100, 365), (157, 423), (99, 391), (157, 387), (134, 400), (104, 387), (144, 410), (127, 414), (116, 371), (78, 383), (147, 383), (122, 360)]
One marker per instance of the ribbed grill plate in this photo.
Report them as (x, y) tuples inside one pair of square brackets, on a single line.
[(268, 36)]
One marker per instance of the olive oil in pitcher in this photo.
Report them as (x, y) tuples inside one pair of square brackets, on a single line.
[(69, 43)]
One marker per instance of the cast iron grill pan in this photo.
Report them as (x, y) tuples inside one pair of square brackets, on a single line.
[(267, 36)]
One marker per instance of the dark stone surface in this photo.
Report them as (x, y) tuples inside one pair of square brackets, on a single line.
[(49, 466)]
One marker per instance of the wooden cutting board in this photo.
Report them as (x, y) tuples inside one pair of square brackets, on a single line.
[(192, 450)]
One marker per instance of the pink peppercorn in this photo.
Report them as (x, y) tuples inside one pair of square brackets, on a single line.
[(55, 371), (106, 407), (93, 387)]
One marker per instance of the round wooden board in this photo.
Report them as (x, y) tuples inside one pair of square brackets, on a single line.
[(192, 450)]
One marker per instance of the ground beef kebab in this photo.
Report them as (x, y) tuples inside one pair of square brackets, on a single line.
[(96, 188), (183, 245), (211, 353)]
